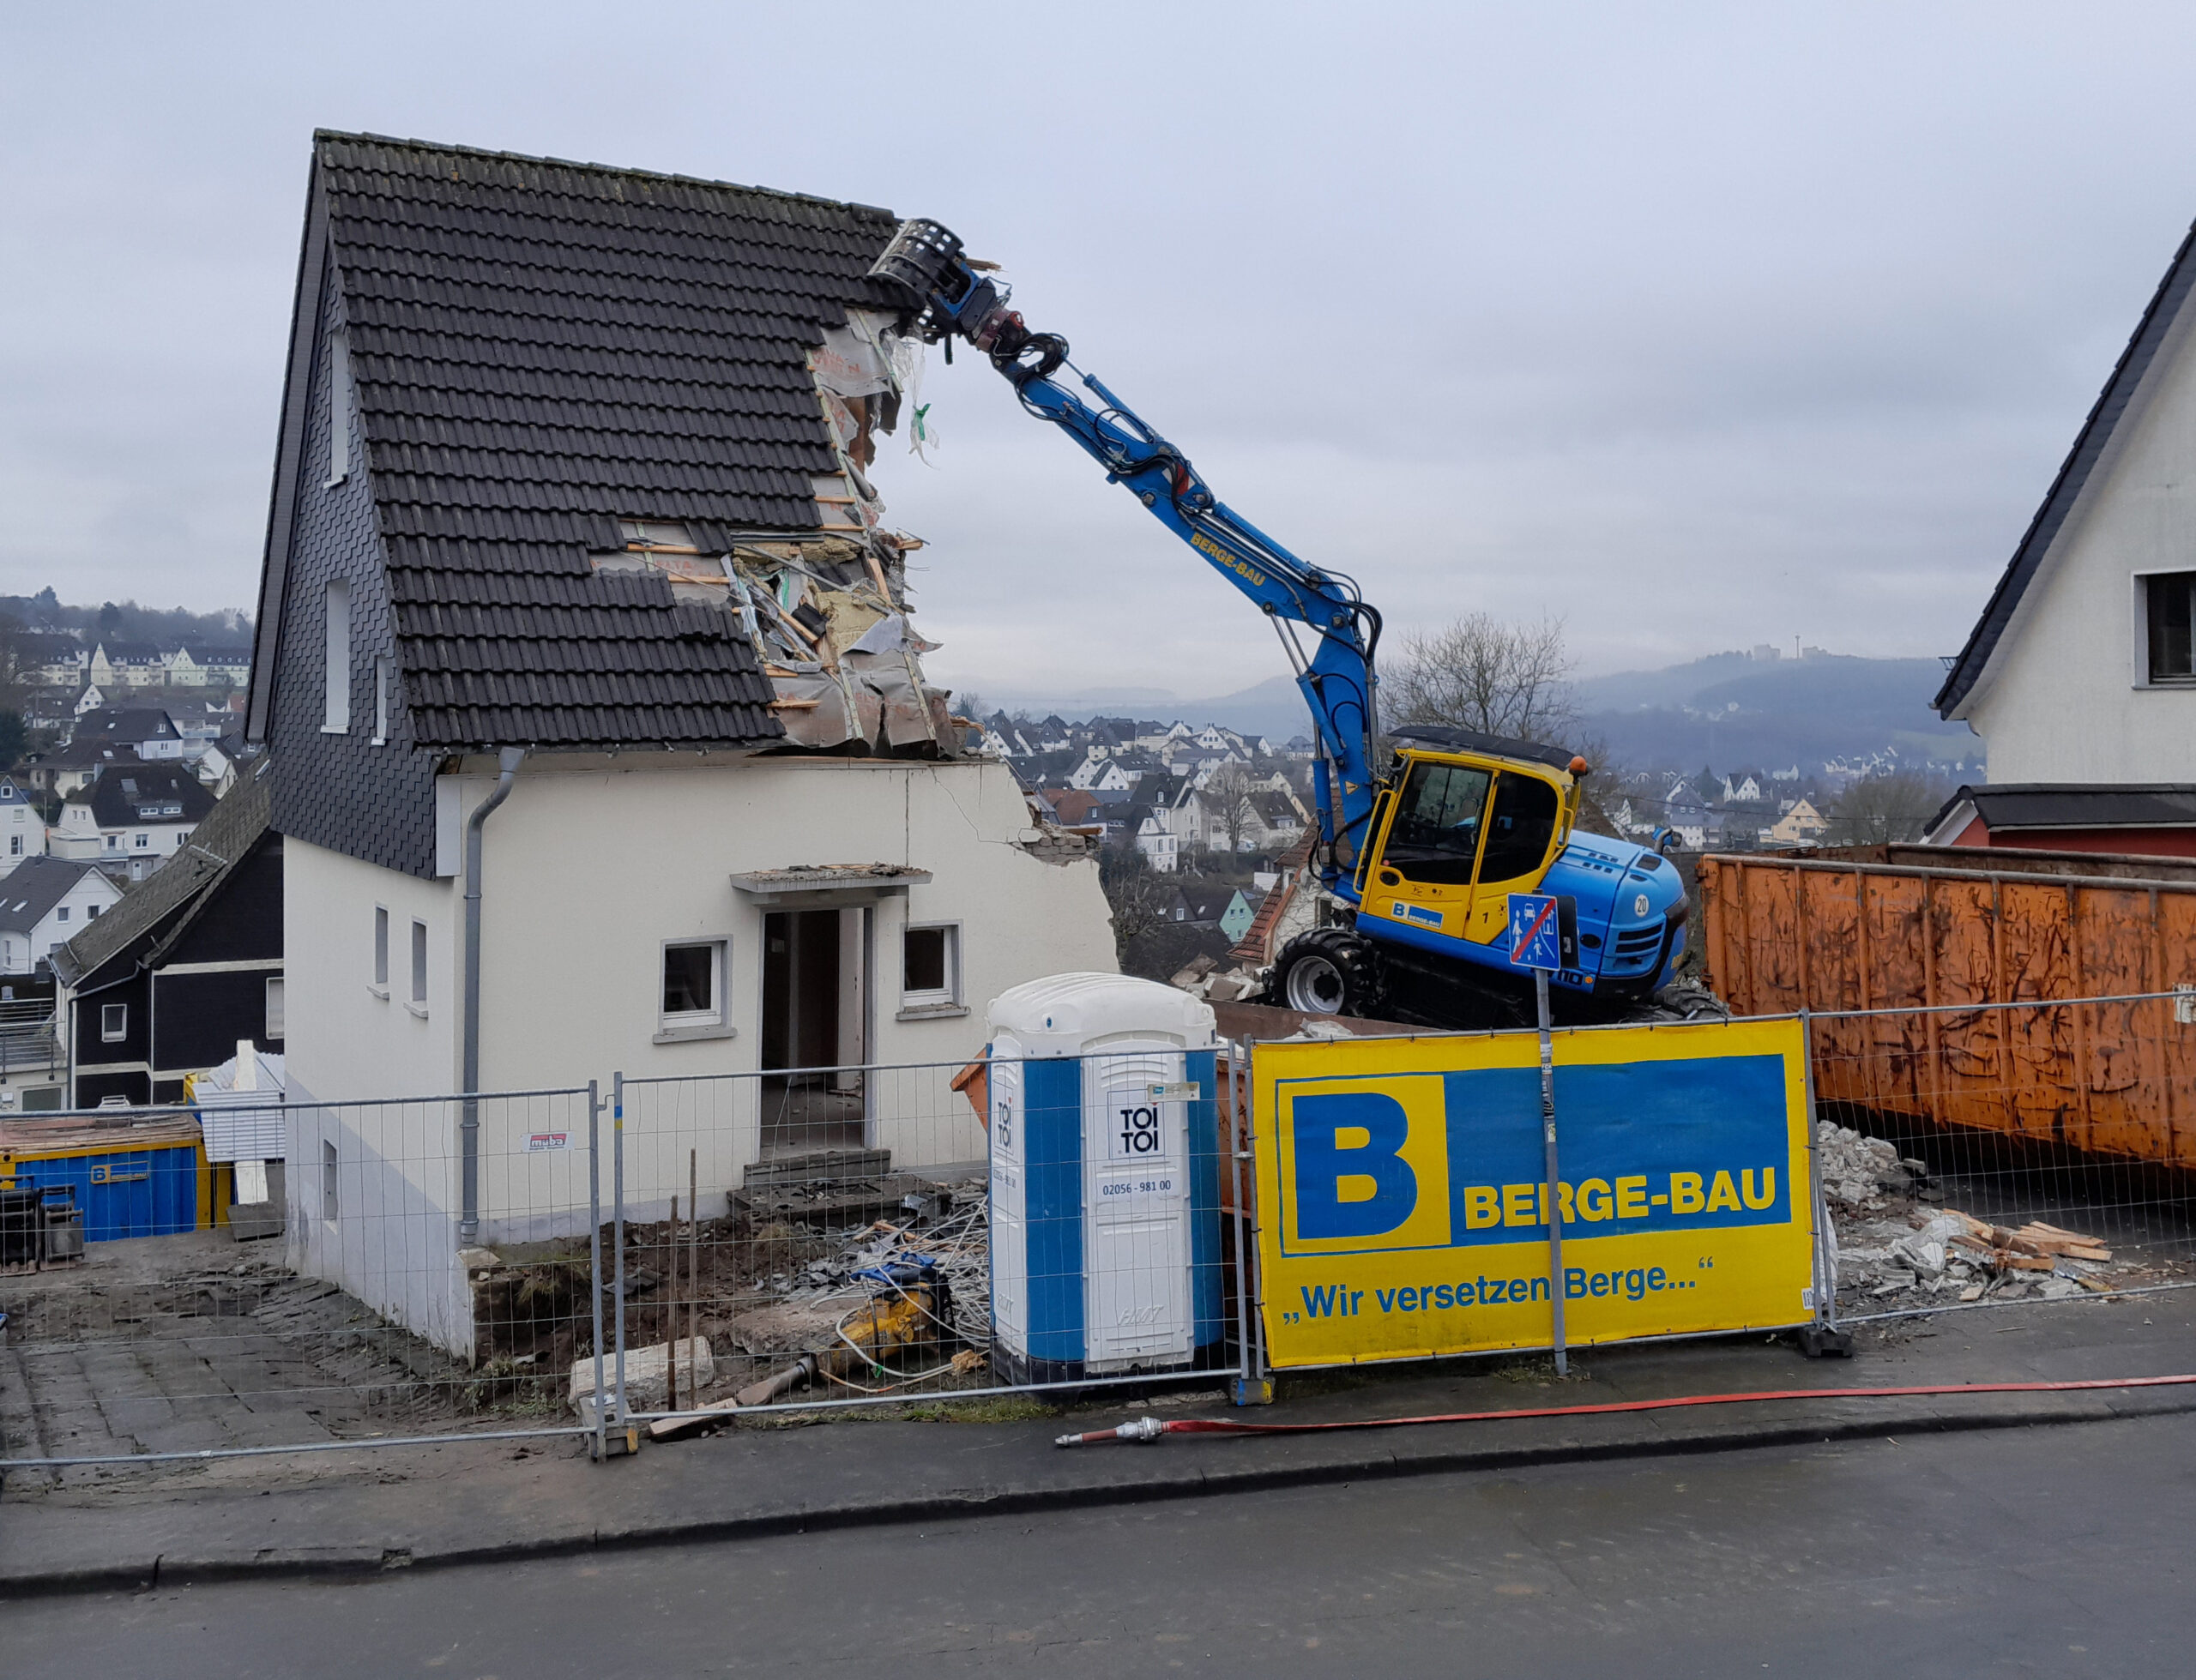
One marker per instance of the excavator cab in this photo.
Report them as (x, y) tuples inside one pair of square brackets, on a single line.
[(1455, 833), (1464, 821)]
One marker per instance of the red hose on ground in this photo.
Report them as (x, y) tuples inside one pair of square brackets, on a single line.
[(1150, 1429)]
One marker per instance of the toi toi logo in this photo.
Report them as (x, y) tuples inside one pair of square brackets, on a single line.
[(1139, 1131)]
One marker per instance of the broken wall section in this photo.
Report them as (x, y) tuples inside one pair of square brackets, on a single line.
[(826, 609)]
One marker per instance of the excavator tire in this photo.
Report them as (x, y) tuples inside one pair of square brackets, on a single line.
[(1328, 972)]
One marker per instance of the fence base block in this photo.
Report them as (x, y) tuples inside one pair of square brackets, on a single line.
[(1250, 1390), (1821, 1341), (618, 1441)]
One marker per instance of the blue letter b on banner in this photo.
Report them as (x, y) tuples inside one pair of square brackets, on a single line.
[(1351, 1177)]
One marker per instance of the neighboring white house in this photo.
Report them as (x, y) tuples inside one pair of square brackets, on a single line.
[(44, 902), (2081, 672), (683, 879), (127, 664), (196, 667), (132, 818), (1102, 776), (22, 830), (1155, 840), (148, 730)]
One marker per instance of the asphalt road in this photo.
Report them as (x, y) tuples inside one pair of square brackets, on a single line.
[(2064, 1551)]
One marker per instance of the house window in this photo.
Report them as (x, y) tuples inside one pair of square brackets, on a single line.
[(338, 719), (339, 405), (2169, 612), (274, 1007), (143, 841), (381, 699), (92, 912), (62, 914), (381, 949), (114, 1022), (114, 842), (328, 1181), (930, 967), (15, 845), (419, 967), (693, 996)]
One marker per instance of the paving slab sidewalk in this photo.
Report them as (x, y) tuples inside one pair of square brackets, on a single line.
[(478, 1501)]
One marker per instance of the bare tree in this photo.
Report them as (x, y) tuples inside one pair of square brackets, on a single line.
[(1880, 810), (1138, 898), (1479, 673), (1229, 798)]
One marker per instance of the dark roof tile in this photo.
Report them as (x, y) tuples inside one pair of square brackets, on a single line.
[(542, 348)]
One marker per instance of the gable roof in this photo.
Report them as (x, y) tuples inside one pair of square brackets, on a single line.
[(138, 723), (163, 790), (34, 887), (184, 883), (540, 349), (2089, 444)]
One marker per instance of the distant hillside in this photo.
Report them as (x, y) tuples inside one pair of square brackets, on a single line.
[(1730, 711), (1272, 708)]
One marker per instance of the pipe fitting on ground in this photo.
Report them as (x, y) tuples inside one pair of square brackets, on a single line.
[(1144, 1429)]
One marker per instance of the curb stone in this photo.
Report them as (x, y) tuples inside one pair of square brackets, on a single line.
[(1176, 1481)]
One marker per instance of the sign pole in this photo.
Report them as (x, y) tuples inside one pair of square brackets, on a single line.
[(1553, 1197)]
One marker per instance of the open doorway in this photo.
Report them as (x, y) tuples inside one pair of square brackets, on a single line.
[(815, 973)]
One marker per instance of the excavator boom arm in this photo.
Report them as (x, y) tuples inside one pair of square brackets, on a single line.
[(1334, 672)]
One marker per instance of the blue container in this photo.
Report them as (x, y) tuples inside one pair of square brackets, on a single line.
[(136, 1182)]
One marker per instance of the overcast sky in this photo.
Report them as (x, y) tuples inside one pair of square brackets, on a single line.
[(1696, 326)]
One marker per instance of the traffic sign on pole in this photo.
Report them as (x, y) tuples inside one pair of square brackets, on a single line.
[(1536, 931)]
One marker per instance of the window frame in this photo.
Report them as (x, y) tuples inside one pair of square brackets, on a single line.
[(2144, 674), (275, 1020), (114, 1023), (381, 701), (931, 1002), (686, 1024), (418, 1001), (330, 1164), (379, 984)]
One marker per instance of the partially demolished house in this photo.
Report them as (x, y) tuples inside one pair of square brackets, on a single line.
[(579, 594)]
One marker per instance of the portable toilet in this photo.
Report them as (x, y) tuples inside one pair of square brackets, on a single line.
[(1105, 1180)]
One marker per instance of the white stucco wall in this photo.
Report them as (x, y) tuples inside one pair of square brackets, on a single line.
[(591, 865), (2064, 698)]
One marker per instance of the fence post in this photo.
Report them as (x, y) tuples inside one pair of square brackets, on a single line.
[(1821, 1338), (618, 1215), (1552, 1211), (594, 1252), (1250, 1390)]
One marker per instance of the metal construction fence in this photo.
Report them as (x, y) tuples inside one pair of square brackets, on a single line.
[(862, 1236), (1985, 1154), (355, 1319)]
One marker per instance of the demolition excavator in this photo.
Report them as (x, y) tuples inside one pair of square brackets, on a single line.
[(1423, 833)]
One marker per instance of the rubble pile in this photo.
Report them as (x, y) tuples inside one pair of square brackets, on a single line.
[(1862, 1174), (1892, 1250), (1956, 1252), (1202, 977)]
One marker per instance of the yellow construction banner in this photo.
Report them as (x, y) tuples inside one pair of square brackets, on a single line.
[(1402, 1189)]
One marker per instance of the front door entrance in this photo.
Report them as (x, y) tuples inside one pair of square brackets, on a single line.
[(814, 973)]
